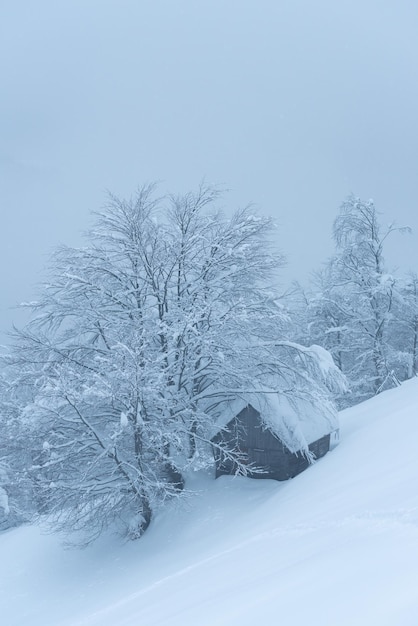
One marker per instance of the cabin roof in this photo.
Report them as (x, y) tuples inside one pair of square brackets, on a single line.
[(296, 420)]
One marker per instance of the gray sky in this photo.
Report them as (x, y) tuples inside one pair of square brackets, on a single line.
[(292, 104)]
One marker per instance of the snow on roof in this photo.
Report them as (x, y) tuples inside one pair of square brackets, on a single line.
[(296, 420)]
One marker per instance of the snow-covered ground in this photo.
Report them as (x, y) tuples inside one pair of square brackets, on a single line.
[(337, 545)]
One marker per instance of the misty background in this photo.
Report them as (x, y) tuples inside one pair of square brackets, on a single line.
[(289, 104)]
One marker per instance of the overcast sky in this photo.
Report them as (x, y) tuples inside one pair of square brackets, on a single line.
[(291, 104)]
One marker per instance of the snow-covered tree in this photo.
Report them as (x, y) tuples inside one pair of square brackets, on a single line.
[(403, 328), (138, 341), (351, 307), (16, 496)]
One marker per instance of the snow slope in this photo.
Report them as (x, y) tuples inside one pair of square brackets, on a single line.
[(337, 545)]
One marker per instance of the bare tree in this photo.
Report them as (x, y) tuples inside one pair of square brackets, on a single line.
[(354, 303), (136, 344), (403, 328)]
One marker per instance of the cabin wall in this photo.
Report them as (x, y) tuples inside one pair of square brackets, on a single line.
[(260, 448), (283, 464)]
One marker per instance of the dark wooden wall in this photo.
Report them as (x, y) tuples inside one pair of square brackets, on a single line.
[(259, 448)]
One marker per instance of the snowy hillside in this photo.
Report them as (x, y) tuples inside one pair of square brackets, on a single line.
[(337, 545)]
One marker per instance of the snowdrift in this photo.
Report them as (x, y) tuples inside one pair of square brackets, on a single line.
[(338, 544)]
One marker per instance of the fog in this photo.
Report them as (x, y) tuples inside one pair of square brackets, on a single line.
[(290, 105)]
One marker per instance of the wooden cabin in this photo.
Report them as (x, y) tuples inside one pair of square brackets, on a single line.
[(280, 440)]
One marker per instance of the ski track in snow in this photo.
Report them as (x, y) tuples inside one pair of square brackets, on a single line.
[(369, 523)]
